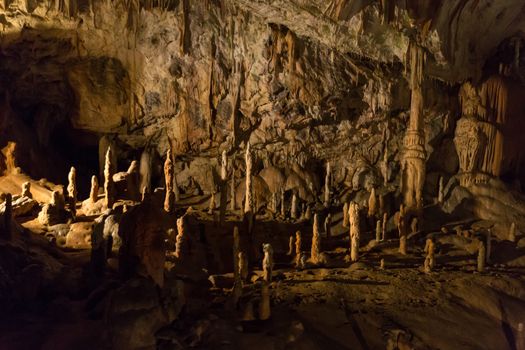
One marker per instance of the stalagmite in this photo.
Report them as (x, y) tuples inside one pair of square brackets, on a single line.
[(384, 166), (355, 231), (378, 231), (383, 228), (93, 193), (212, 204), (8, 217), (243, 266), (327, 186), (223, 188), (488, 245), (109, 186), (145, 170), (402, 229), (441, 190), (293, 208), (345, 214), (315, 253), (290, 245), (232, 192), (481, 256), (267, 262), (168, 177), (298, 248), (429, 260), (236, 250), (414, 225), (512, 232), (382, 264), (72, 188), (414, 155), (308, 213), (283, 209), (180, 240), (224, 166), (264, 305), (26, 190), (249, 200), (328, 225), (372, 203), (520, 337)]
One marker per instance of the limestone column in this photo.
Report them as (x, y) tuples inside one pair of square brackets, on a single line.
[(414, 155)]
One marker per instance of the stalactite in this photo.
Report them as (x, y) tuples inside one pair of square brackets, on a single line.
[(180, 240)]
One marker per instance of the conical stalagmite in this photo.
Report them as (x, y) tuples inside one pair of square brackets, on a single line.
[(72, 188), (355, 230), (383, 228), (168, 178), (93, 192), (378, 230), (180, 240)]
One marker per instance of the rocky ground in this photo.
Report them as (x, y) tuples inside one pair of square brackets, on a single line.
[(55, 301)]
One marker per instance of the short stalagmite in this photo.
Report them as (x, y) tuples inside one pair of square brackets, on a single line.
[(93, 192), (267, 264), (383, 228), (293, 208), (512, 232), (429, 259), (26, 190), (72, 185), (378, 231), (180, 240)]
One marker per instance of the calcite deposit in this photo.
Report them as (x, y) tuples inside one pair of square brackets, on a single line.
[(262, 174)]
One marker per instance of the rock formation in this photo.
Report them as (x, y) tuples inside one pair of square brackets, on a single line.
[(109, 186), (267, 262), (402, 230), (429, 259), (168, 179), (355, 230), (315, 252), (26, 190)]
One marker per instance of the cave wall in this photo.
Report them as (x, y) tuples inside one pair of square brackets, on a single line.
[(305, 82)]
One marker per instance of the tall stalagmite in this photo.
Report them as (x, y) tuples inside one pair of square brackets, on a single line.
[(414, 156), (109, 185)]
